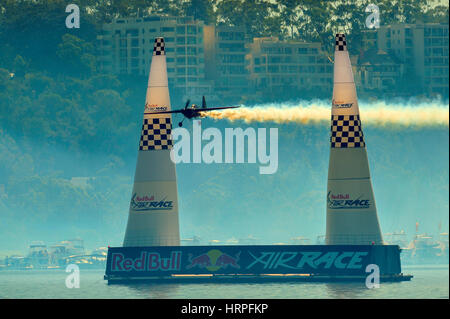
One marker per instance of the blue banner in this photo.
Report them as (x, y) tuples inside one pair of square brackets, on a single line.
[(270, 259)]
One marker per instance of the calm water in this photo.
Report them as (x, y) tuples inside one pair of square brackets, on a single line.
[(428, 282)]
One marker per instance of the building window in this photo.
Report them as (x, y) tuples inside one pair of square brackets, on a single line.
[(191, 29), (133, 32), (437, 32), (192, 71), (191, 40), (191, 50)]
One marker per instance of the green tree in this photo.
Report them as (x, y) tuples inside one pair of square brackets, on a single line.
[(253, 15), (76, 55), (201, 10), (4, 77), (20, 66), (34, 29)]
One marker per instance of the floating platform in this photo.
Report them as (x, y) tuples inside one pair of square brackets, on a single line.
[(261, 263)]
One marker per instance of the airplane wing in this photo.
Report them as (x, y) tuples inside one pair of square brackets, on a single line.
[(216, 108), (165, 112), (176, 111)]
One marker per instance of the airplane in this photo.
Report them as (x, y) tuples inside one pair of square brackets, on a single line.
[(193, 111)]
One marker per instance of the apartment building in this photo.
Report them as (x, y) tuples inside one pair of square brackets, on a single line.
[(126, 47), (423, 49), (221, 63), (378, 71), (288, 68), (225, 50)]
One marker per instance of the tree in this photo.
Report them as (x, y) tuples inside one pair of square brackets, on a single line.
[(253, 15), (4, 77), (201, 10), (76, 55), (20, 66)]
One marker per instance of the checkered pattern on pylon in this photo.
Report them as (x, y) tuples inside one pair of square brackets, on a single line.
[(156, 134), (346, 131), (341, 43), (158, 49)]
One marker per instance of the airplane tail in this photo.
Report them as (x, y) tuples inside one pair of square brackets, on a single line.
[(204, 103)]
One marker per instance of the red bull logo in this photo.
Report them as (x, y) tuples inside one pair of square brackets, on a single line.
[(341, 105), (341, 201), (147, 261), (144, 203), (154, 107), (214, 260)]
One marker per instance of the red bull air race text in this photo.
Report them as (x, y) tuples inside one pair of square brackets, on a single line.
[(166, 262), (148, 261)]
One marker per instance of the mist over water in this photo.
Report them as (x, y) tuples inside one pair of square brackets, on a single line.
[(43, 200), (380, 113)]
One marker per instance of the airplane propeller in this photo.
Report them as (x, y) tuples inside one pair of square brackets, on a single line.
[(187, 104)]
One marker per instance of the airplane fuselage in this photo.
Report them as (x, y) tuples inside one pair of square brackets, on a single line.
[(191, 113), (194, 111)]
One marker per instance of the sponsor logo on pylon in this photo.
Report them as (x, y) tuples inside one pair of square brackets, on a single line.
[(343, 201), (143, 203), (341, 105), (154, 108)]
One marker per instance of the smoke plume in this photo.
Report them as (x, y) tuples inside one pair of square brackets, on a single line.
[(377, 114)]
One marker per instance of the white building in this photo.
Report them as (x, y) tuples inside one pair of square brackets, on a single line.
[(126, 47)]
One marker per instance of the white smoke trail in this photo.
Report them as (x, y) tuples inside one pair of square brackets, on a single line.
[(374, 113)]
